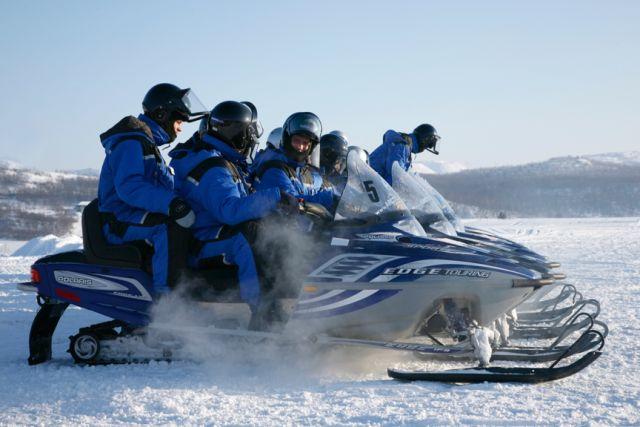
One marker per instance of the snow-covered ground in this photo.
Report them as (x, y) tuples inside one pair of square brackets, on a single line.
[(274, 386)]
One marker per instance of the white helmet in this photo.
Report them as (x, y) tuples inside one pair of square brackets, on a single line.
[(362, 153), (274, 139)]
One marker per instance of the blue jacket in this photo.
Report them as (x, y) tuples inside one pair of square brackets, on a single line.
[(299, 179), (134, 179), (395, 147), (219, 197)]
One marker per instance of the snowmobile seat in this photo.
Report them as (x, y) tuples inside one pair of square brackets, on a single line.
[(96, 248), (76, 257)]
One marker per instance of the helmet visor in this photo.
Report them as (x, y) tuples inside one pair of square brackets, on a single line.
[(258, 129), (430, 143), (193, 108), (305, 123)]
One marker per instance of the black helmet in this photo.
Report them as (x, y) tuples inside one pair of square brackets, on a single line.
[(165, 103), (233, 123), (333, 152), (304, 123), (427, 138)]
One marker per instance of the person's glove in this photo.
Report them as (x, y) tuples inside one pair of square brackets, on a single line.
[(181, 213), (288, 204)]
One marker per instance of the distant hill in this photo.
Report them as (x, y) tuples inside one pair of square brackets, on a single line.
[(437, 166), (35, 203), (595, 185)]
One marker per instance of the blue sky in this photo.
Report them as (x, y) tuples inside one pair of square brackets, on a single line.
[(503, 82)]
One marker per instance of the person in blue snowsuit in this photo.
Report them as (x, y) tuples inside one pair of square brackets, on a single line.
[(274, 140), (135, 192), (398, 147), (334, 147), (288, 168), (211, 174)]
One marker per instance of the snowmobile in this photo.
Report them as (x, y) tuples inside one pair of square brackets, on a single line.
[(378, 282), (534, 318), (435, 214)]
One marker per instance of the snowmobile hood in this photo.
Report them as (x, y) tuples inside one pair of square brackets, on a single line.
[(418, 248)]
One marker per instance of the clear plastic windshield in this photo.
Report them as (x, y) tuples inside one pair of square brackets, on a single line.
[(368, 197), (422, 203), (446, 209)]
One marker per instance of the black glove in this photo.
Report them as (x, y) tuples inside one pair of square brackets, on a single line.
[(181, 213), (288, 204)]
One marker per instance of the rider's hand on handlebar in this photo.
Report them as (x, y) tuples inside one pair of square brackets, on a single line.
[(288, 204)]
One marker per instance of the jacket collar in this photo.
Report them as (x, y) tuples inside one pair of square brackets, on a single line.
[(160, 136), (227, 151), (278, 154), (414, 144)]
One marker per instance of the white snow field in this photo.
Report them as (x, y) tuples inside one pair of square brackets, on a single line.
[(271, 386)]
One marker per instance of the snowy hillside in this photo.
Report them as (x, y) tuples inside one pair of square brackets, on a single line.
[(34, 203), (85, 172), (582, 164), (594, 185), (624, 158), (431, 166), (47, 245), (266, 385)]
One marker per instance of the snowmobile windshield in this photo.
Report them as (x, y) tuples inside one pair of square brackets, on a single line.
[(421, 202), (368, 197), (446, 209)]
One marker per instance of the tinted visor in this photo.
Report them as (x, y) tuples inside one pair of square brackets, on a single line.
[(192, 108), (258, 129), (305, 123)]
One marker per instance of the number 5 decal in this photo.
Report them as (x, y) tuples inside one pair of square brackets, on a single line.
[(371, 191)]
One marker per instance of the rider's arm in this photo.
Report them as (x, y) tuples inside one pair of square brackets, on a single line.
[(325, 197), (219, 194), (398, 150), (277, 178), (127, 163)]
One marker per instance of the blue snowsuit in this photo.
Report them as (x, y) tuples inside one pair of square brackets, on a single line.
[(396, 147), (273, 169), (211, 176), (136, 189)]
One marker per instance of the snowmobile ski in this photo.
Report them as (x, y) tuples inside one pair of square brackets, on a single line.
[(505, 374)]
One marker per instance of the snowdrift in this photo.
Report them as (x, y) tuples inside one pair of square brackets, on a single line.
[(50, 244)]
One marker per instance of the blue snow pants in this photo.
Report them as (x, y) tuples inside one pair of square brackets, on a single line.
[(235, 250), (156, 236)]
